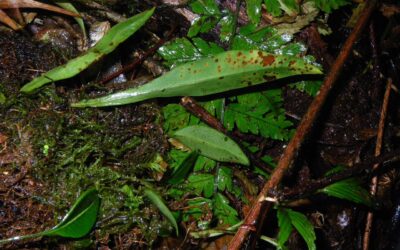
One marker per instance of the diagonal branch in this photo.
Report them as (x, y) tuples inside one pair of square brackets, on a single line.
[(260, 208)]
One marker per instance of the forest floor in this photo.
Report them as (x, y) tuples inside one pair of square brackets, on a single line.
[(51, 152)]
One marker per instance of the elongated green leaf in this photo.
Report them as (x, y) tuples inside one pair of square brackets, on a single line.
[(350, 190), (160, 204), (285, 227), (77, 222), (304, 227), (183, 169), (80, 219), (107, 44), (70, 7), (225, 71), (212, 144)]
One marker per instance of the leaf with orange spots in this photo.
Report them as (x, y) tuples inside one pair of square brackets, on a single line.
[(226, 71)]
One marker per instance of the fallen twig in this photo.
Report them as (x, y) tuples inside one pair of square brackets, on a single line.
[(378, 150), (260, 208), (358, 169), (138, 60), (191, 105)]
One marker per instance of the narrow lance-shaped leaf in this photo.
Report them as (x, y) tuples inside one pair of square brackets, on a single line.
[(304, 227), (225, 71), (183, 169), (77, 223), (160, 204), (68, 6), (285, 227), (350, 190), (107, 44), (212, 144), (80, 219)]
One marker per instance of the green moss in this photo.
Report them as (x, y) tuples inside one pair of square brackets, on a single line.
[(71, 150)]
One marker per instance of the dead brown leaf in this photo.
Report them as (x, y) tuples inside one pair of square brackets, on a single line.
[(14, 4), (8, 21)]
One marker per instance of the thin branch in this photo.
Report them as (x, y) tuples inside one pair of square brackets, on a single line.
[(191, 105), (138, 60), (260, 208), (358, 169), (378, 150)]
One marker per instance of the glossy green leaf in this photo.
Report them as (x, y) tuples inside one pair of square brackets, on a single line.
[(68, 6), (107, 44), (160, 204), (285, 227), (223, 72), (253, 8), (182, 171), (227, 24), (77, 222), (80, 219), (273, 7), (202, 24), (329, 5), (212, 144), (304, 227), (205, 7), (350, 190), (182, 50)]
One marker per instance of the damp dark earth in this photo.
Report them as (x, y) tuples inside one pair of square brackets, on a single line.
[(199, 124)]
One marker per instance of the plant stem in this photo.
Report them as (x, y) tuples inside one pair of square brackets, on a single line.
[(270, 240), (215, 232), (24, 237)]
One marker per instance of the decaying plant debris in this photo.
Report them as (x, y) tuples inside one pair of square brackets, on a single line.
[(154, 192)]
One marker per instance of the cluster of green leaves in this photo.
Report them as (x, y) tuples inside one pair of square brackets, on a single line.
[(349, 189), (259, 113), (204, 189), (209, 17), (202, 180), (289, 7), (287, 219)]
